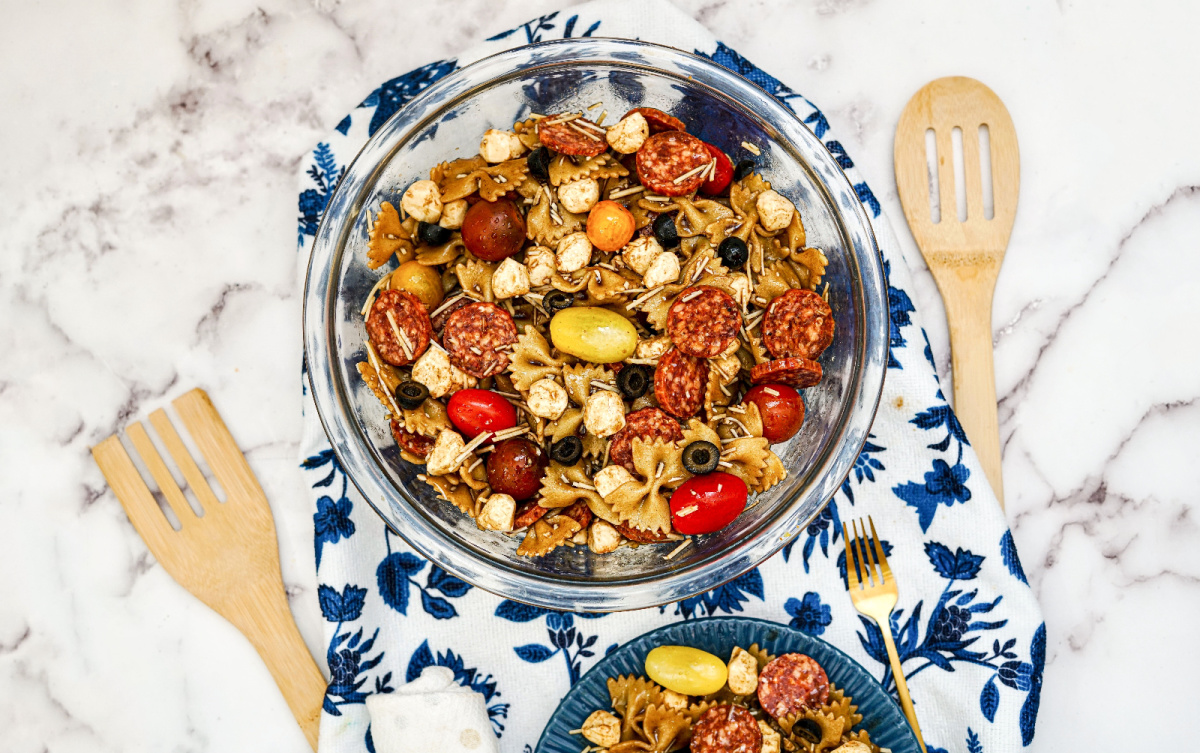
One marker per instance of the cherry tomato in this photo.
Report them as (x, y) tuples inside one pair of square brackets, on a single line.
[(493, 230), (515, 468), (781, 408), (475, 411), (609, 226), (722, 177), (707, 503)]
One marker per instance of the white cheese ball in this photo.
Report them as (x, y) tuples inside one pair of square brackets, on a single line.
[(641, 252), (664, 270), (771, 740), (434, 370), (574, 252), (510, 279), (774, 211), (446, 449), (850, 746), (743, 672), (610, 477), (540, 262), (629, 133), (602, 728), (653, 347), (604, 413), (423, 200), (500, 146), (547, 399), (602, 537), (453, 214), (497, 513), (579, 196)]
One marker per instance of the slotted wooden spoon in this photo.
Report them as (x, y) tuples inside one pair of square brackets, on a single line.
[(228, 557), (965, 256)]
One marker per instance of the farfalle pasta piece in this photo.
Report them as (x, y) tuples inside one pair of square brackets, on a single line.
[(801, 736), (458, 179), (447, 253), (564, 170), (572, 282), (371, 379), (526, 131), (794, 236), (594, 446), (475, 477), (743, 194), (662, 727), (777, 279), (861, 736), (428, 420), (531, 360), (578, 380), (541, 228), (815, 261), (761, 655), (453, 490), (546, 535), (840, 706), (505, 177), (773, 472), (697, 217), (564, 485), (475, 277), (643, 504), (607, 286), (390, 236), (566, 424), (746, 458), (631, 695)]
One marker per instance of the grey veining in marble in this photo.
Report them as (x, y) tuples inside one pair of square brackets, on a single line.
[(147, 215)]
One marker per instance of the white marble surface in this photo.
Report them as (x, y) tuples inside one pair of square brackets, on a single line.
[(147, 245)]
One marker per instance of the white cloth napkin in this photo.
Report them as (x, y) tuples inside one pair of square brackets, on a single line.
[(970, 634), (431, 714)]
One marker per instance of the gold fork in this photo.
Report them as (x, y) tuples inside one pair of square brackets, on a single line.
[(874, 594), (227, 557)]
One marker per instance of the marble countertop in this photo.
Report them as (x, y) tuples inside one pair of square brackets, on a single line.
[(147, 245)]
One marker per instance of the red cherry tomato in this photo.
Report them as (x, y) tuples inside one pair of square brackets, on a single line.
[(473, 411), (707, 503), (493, 230), (515, 468), (723, 175), (781, 408)]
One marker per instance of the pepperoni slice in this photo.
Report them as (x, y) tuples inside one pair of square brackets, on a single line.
[(658, 120), (474, 338), (640, 536), (572, 137), (795, 372), (411, 321), (580, 513), (438, 320), (529, 513), (798, 323), (668, 156), (791, 683), (679, 383), (726, 729), (704, 321), (417, 444), (647, 423)]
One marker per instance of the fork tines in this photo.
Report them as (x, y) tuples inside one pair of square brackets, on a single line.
[(866, 564)]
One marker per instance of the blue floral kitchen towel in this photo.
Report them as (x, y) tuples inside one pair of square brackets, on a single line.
[(969, 631)]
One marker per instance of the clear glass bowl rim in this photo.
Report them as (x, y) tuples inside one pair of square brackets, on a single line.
[(347, 440)]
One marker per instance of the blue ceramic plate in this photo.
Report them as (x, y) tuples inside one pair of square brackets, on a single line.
[(882, 718)]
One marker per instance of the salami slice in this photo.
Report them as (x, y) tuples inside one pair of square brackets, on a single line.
[(580, 513), (417, 444), (647, 423), (791, 683), (726, 729), (658, 120), (405, 311), (639, 536), (704, 321), (798, 323), (529, 513), (475, 336), (795, 372), (668, 156), (679, 383), (438, 320), (572, 137)]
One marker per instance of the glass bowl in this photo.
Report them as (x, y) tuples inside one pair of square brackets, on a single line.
[(445, 122)]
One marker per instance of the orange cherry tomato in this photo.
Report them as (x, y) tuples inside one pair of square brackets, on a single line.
[(609, 226)]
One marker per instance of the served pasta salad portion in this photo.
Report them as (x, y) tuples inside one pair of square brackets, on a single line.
[(592, 336)]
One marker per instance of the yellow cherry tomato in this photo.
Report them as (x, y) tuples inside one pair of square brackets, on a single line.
[(686, 670), (609, 226), (593, 334), (422, 281)]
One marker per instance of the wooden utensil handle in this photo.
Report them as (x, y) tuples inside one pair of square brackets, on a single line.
[(264, 618), (969, 315)]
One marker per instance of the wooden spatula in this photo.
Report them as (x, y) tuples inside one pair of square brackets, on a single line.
[(964, 256), (228, 557)]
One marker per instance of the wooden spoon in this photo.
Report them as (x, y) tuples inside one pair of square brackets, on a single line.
[(964, 256)]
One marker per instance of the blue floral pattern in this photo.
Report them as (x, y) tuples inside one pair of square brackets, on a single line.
[(966, 619)]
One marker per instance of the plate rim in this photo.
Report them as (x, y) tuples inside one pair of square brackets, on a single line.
[(758, 624)]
